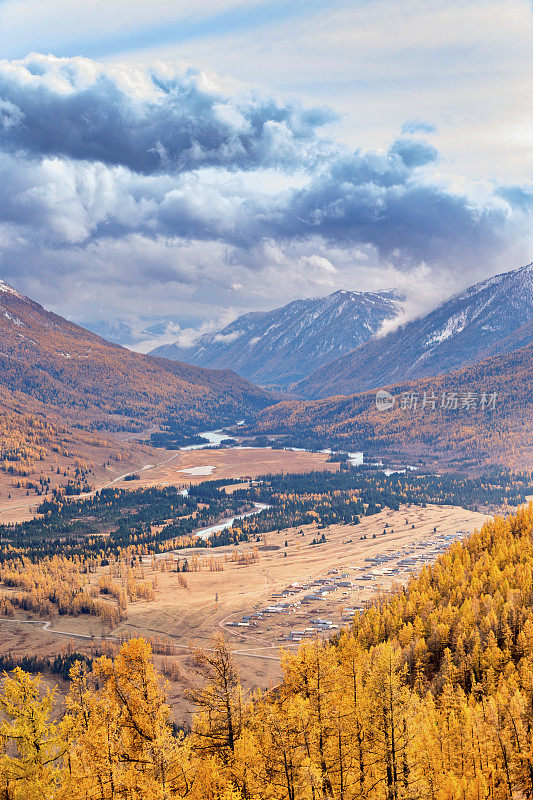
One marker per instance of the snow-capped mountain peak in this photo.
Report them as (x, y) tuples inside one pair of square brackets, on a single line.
[(279, 347), (5, 287), (492, 317)]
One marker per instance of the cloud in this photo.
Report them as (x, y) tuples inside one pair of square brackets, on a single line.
[(227, 338), (188, 337), (518, 196), (414, 152), (183, 195), (414, 126), (150, 122), (384, 201)]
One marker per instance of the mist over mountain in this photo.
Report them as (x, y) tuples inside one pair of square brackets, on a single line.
[(492, 317)]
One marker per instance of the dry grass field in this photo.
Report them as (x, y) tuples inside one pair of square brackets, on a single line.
[(106, 458), (113, 460), (178, 469), (220, 588)]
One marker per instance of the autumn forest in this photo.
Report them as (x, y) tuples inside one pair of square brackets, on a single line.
[(427, 695), (266, 400)]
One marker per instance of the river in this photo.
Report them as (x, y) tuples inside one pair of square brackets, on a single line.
[(214, 439), (205, 533)]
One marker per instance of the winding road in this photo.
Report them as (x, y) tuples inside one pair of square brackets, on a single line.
[(46, 627)]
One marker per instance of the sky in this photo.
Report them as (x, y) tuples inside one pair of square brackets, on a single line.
[(182, 163)]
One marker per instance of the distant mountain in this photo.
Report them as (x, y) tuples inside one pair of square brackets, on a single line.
[(276, 348), (64, 366), (118, 332), (121, 332), (491, 318), (465, 431)]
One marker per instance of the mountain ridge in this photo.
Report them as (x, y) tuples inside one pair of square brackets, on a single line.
[(278, 347), (489, 318), (453, 435), (67, 367)]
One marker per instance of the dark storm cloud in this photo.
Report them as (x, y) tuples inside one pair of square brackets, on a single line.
[(370, 199), (67, 108), (380, 200)]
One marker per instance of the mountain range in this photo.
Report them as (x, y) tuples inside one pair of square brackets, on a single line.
[(49, 359), (479, 341), (493, 317), (277, 348)]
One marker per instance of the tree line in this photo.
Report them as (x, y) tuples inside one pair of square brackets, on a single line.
[(160, 519)]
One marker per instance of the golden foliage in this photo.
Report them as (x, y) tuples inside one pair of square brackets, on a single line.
[(430, 695), (504, 433), (62, 365)]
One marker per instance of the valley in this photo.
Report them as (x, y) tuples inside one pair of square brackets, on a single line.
[(465, 438), (322, 544), (121, 517), (111, 461), (266, 401), (221, 587), (230, 463)]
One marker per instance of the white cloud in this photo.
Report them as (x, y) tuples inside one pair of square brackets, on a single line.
[(166, 194), (227, 338), (464, 65)]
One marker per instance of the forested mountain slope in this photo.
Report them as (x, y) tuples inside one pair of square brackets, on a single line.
[(66, 367), (475, 429), (429, 695)]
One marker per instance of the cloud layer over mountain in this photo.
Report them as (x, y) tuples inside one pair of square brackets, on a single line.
[(185, 188)]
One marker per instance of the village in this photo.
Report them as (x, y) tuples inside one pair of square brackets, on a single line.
[(341, 594)]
